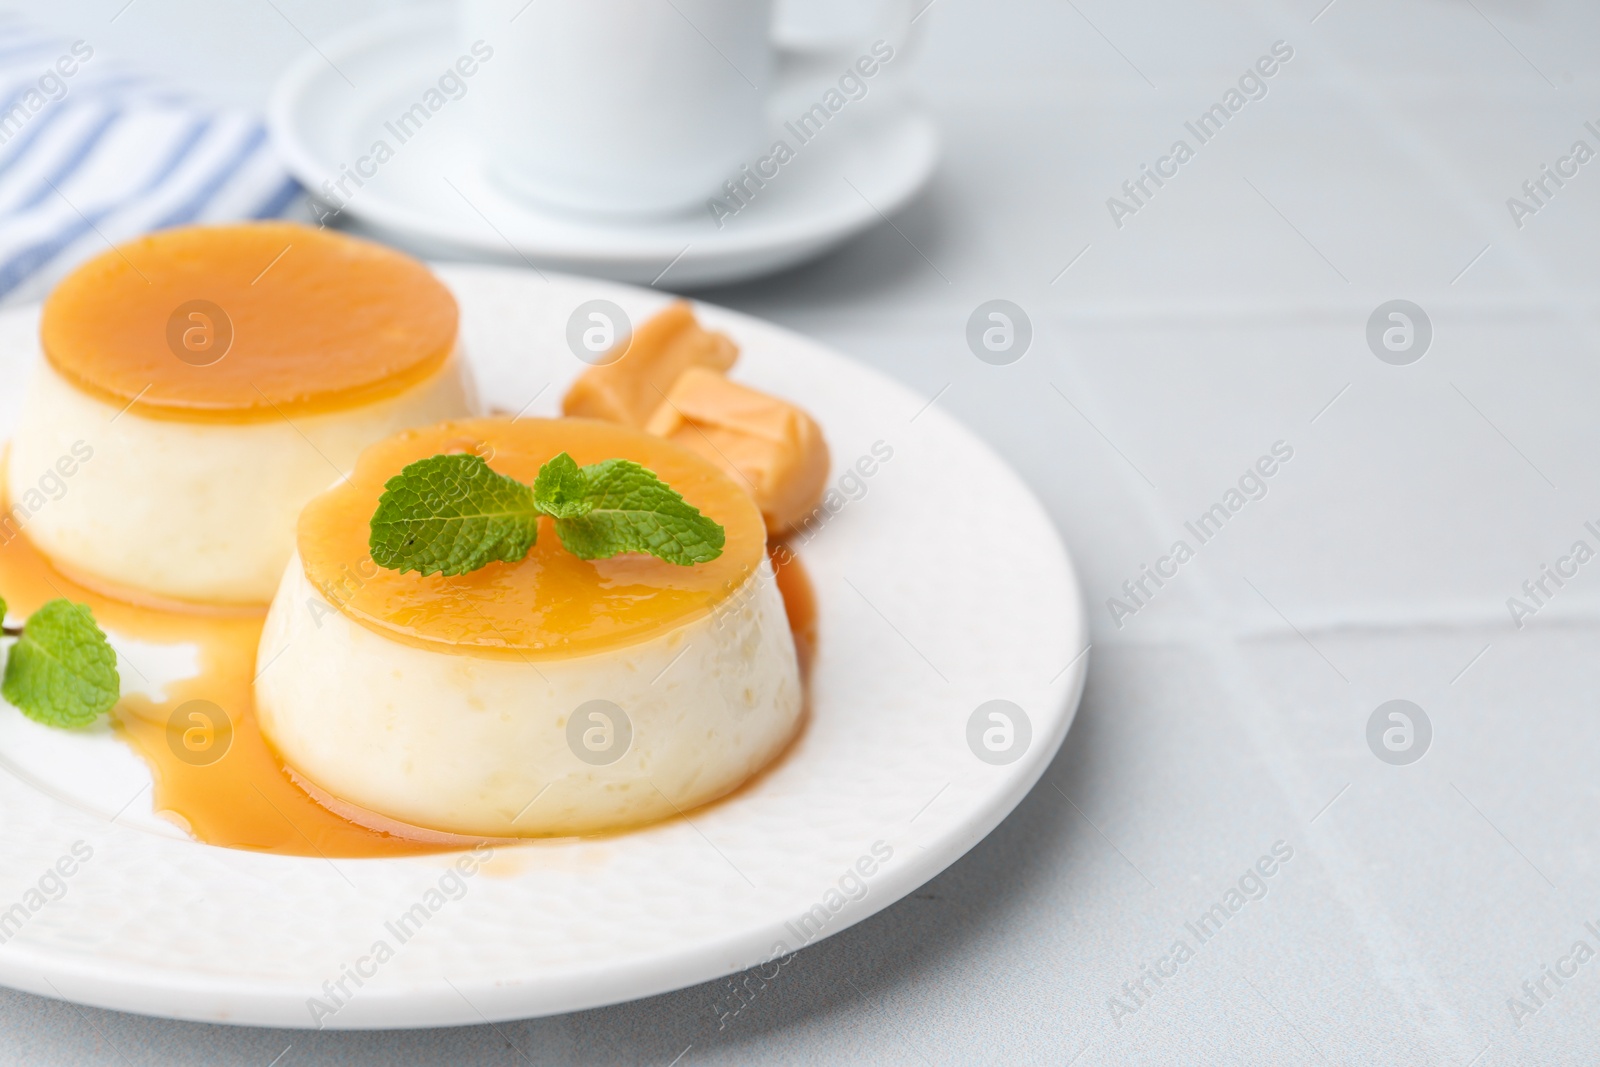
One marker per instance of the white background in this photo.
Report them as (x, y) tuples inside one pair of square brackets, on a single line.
[(1226, 716)]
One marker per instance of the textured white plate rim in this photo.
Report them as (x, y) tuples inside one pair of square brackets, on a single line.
[(218, 993), (593, 243)]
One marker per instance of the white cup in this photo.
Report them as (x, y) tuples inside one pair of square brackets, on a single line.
[(622, 108)]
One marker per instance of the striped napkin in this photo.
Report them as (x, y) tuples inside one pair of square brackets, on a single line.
[(91, 156)]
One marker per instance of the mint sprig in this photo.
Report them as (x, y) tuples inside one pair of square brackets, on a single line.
[(452, 514), (562, 488), (628, 509), (62, 670)]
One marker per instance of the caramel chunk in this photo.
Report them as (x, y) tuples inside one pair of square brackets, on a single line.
[(669, 382), (630, 389), (770, 447), (249, 322)]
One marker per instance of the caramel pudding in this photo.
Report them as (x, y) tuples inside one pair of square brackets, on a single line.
[(204, 383), (550, 696)]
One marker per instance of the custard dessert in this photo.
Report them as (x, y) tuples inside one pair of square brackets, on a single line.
[(552, 695), (205, 383)]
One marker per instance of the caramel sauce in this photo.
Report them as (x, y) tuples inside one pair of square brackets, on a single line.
[(799, 604), (550, 604), (248, 322), (247, 798), (244, 799)]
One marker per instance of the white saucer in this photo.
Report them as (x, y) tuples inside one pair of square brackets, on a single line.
[(331, 106), (923, 617)]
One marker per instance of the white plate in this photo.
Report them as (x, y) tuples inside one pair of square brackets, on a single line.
[(433, 195), (927, 609)]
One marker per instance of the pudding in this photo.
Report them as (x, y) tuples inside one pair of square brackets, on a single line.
[(550, 696), (199, 385)]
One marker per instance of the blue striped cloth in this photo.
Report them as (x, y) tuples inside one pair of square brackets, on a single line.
[(91, 156)]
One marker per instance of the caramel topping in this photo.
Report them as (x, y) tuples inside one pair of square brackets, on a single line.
[(628, 387), (246, 323), (551, 604)]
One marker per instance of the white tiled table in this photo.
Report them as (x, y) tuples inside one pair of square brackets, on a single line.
[(1229, 714)]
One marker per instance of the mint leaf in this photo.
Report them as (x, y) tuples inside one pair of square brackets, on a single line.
[(631, 510), (62, 671), (451, 515), (561, 488)]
